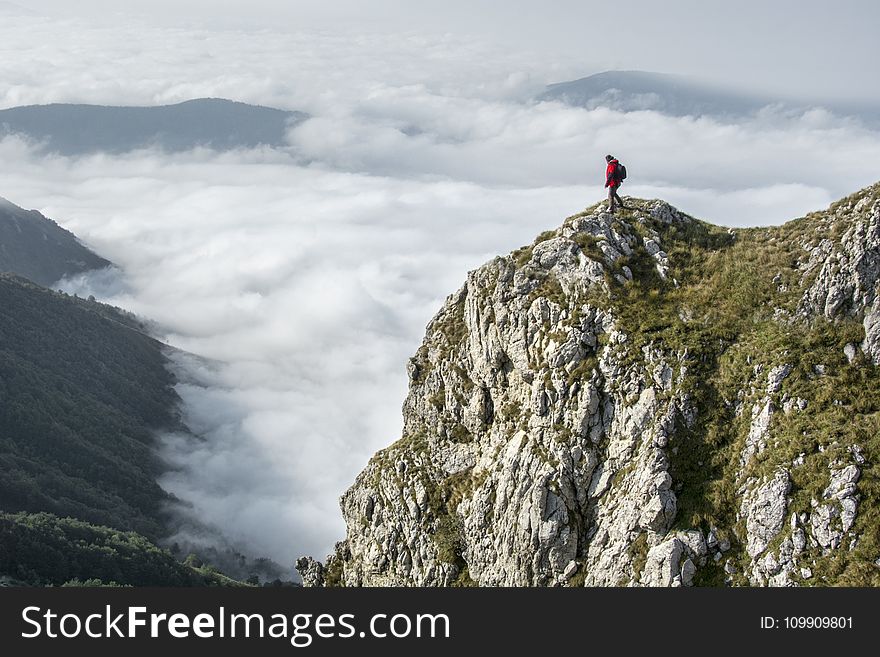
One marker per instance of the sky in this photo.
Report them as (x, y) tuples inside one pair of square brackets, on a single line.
[(790, 47), (301, 279)]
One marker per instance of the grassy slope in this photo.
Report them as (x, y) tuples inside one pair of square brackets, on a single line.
[(722, 313)]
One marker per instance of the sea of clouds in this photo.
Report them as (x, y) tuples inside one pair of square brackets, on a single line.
[(301, 279)]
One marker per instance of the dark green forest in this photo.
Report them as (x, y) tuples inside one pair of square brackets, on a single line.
[(82, 392), (42, 549), (80, 398)]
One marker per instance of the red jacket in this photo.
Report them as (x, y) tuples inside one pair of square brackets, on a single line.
[(611, 179)]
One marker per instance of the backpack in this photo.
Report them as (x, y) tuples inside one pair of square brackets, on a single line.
[(621, 172)]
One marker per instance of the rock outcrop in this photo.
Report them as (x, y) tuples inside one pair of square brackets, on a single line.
[(639, 400)]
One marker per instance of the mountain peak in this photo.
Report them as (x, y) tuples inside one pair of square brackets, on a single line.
[(638, 399)]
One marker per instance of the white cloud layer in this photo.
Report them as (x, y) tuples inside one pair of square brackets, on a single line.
[(309, 287), (308, 278)]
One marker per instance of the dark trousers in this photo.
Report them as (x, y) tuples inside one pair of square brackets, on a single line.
[(612, 197)]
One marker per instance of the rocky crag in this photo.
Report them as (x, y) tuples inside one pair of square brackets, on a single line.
[(639, 400)]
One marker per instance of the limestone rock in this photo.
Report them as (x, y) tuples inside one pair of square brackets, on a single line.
[(663, 567), (871, 343), (835, 515), (311, 571), (764, 511), (762, 414), (848, 271)]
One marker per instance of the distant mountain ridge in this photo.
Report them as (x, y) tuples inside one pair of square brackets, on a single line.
[(641, 90), (37, 248), (220, 124), (674, 95)]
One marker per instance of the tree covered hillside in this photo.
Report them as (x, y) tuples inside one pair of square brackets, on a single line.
[(44, 549), (80, 395)]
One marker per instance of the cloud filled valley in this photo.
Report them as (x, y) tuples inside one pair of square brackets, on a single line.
[(302, 278)]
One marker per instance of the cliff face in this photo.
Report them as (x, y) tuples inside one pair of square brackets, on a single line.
[(640, 399)]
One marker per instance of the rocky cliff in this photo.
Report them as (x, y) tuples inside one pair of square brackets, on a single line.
[(639, 399)]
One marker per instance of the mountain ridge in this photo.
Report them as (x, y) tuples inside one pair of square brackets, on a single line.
[(679, 95), (642, 399), (37, 248), (217, 123)]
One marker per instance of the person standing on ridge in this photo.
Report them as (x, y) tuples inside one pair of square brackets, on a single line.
[(613, 178)]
